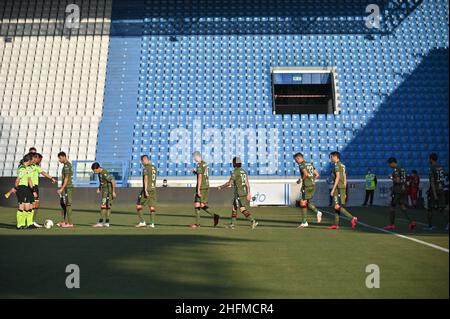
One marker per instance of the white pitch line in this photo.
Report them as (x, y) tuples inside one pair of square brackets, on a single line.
[(398, 235)]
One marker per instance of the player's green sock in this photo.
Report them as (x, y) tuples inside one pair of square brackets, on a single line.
[(430, 217), (102, 214), (207, 211), (303, 212), (141, 215), (108, 214), (336, 217), (346, 212), (197, 216), (152, 217), (69, 214), (313, 208), (233, 217), (392, 217), (29, 217)]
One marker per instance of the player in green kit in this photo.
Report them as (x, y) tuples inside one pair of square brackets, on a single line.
[(107, 188), (147, 196), (338, 192), (36, 170), (242, 196), (399, 194), (65, 192), (436, 195), (202, 191), (25, 197), (307, 189)]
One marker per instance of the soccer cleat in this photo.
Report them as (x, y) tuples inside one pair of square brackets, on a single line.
[(254, 224), (303, 225), (428, 228), (412, 225), (194, 226), (354, 222), (66, 225), (31, 227), (319, 217), (98, 225), (107, 225), (151, 225), (37, 225), (59, 224), (230, 226), (333, 227), (140, 225), (216, 219), (389, 227)]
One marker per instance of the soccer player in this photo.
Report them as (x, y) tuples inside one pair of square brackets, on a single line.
[(65, 192), (412, 189), (202, 191), (147, 196), (25, 198), (242, 195), (436, 195), (32, 150), (399, 196), (339, 192), (308, 176), (107, 188), (36, 170)]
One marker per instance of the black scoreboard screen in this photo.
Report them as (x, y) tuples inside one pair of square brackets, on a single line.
[(303, 92)]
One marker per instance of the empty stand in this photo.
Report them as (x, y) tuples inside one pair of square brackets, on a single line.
[(51, 80), (211, 72)]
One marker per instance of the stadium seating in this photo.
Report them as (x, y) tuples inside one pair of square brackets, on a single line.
[(51, 80), (172, 79), (166, 74)]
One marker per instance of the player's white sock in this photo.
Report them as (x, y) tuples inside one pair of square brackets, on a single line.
[(319, 216)]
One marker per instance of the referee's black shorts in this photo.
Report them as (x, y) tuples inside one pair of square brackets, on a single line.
[(24, 195)]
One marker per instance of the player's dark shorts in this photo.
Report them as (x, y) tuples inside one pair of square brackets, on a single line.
[(204, 198), (107, 199), (35, 189), (340, 196), (307, 192), (66, 196), (24, 195), (399, 199), (150, 200), (439, 202), (240, 202)]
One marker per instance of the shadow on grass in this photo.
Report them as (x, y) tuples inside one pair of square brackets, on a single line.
[(154, 266)]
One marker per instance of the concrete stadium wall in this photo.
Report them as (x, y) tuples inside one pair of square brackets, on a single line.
[(184, 195)]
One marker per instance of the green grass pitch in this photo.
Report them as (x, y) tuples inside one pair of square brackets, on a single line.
[(276, 260)]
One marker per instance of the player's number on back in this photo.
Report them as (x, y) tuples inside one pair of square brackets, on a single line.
[(243, 178)]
